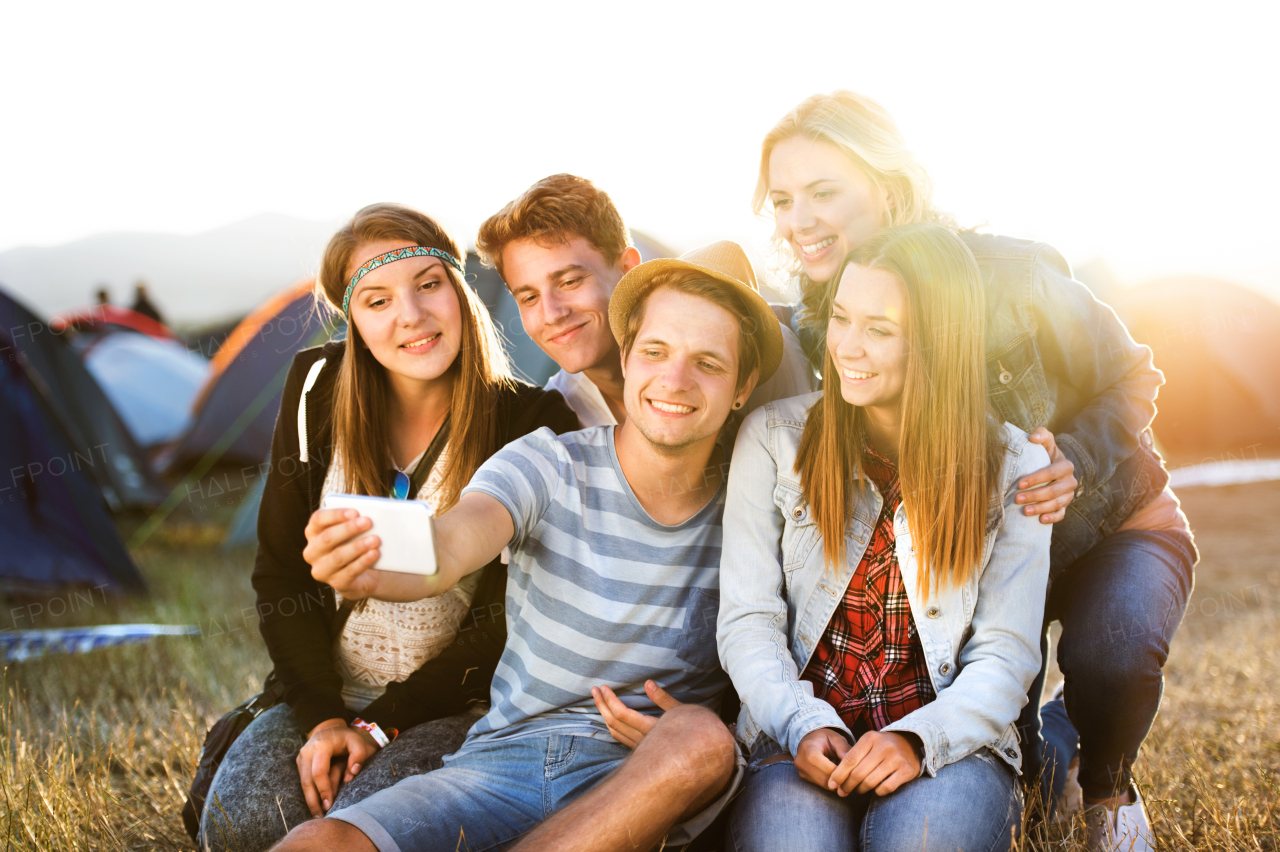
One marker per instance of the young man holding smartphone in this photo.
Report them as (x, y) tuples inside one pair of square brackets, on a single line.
[(615, 536)]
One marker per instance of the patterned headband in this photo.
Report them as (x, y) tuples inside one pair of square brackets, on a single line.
[(391, 257)]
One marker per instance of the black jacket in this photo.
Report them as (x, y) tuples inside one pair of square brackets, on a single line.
[(296, 613)]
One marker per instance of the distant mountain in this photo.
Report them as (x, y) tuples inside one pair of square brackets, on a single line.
[(196, 278)]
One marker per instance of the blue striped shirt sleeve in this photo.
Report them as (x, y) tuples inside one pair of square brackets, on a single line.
[(524, 477)]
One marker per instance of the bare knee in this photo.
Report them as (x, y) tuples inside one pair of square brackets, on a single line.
[(325, 834), (692, 747)]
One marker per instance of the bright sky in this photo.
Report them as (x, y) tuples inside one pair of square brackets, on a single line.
[(1145, 135)]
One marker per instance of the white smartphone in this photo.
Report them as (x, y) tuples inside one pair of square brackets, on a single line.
[(405, 527)]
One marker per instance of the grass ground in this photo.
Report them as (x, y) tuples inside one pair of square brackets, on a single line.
[(97, 749)]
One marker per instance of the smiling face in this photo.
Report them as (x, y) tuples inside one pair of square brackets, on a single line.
[(682, 371), (824, 206), (866, 337), (407, 313), (563, 290)]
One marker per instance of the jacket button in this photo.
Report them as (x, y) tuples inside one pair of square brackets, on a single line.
[(799, 513), (933, 612), (1011, 753), (1146, 438), (1005, 377), (945, 669)]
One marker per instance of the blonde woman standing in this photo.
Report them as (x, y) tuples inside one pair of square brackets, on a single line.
[(419, 392), (1061, 366), (881, 594)]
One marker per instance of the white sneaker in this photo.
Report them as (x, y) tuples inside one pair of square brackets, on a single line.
[(1121, 829)]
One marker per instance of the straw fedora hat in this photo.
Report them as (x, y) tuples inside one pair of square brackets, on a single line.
[(723, 261)]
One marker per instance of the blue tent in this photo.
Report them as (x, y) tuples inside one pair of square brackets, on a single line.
[(54, 526), (151, 382), (72, 402)]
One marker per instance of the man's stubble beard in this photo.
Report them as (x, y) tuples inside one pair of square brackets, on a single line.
[(664, 447)]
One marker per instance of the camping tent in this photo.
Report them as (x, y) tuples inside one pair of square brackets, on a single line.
[(150, 381), (71, 398), (1218, 345), (143, 367), (54, 527), (103, 318), (235, 411)]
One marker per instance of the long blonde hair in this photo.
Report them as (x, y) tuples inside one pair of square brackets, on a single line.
[(950, 452), (862, 130), (361, 423)]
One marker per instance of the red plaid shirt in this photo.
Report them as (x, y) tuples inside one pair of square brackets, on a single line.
[(869, 664)]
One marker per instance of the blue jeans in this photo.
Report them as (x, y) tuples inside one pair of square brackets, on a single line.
[(256, 794), (974, 804), (489, 795), (1119, 606)]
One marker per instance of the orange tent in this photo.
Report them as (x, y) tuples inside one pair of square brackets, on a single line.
[(235, 411)]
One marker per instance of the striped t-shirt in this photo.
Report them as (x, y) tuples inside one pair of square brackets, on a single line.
[(598, 592)]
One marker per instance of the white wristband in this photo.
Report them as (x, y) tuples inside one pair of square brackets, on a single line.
[(374, 731)]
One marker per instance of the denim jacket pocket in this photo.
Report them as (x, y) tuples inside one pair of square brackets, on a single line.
[(799, 532), (1016, 383)]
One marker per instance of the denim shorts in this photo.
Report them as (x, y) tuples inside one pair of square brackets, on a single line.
[(491, 794)]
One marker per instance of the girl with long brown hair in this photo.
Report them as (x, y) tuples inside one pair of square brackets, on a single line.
[(409, 405), (881, 594)]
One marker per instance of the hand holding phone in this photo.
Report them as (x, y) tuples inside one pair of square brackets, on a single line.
[(342, 551), (404, 528)]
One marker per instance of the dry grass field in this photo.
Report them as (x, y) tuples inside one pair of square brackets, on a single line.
[(98, 749)]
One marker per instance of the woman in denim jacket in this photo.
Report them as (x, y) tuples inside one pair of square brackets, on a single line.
[(1062, 367), (881, 594)]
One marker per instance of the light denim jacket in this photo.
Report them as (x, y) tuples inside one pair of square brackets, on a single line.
[(981, 641)]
